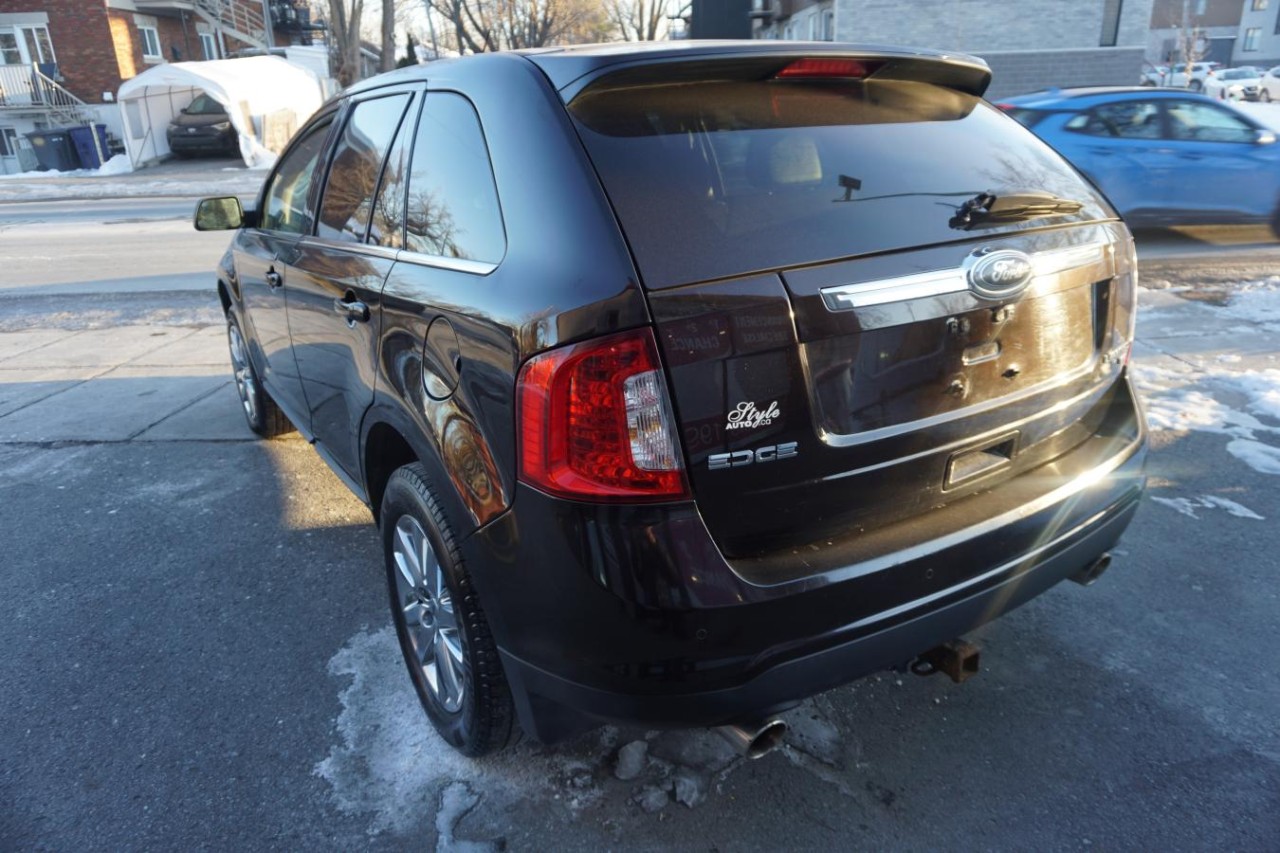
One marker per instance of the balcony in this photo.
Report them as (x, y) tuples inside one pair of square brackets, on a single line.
[(24, 88)]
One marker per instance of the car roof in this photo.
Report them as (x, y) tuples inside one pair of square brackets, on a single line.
[(1085, 97), (566, 64)]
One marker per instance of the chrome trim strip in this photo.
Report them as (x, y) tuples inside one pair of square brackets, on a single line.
[(845, 297), (835, 439), (942, 543), (354, 248), (441, 262)]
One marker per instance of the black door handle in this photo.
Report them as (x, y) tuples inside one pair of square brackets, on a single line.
[(274, 279), (354, 311)]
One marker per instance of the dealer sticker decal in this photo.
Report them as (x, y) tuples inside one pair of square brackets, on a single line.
[(747, 416)]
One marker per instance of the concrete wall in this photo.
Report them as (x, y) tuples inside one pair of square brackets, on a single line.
[(974, 26), (1019, 72), (1267, 21)]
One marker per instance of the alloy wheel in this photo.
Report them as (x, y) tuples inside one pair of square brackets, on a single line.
[(246, 384), (426, 605)]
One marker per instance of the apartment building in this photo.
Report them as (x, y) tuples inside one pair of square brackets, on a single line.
[(1030, 44), (61, 61)]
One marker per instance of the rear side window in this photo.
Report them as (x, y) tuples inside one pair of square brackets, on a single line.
[(718, 179), (387, 227), (347, 204), (1207, 123), (453, 203)]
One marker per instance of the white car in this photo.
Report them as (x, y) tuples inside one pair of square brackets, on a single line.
[(1269, 86), (1200, 71), (1235, 84)]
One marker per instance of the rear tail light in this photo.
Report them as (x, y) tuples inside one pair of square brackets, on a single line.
[(595, 422)]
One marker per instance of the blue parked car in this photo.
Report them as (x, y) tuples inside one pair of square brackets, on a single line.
[(1162, 157)]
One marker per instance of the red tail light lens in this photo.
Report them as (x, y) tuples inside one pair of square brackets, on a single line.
[(812, 67), (596, 423)]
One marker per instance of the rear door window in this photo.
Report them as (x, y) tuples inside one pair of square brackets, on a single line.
[(716, 179), (453, 207), (347, 205)]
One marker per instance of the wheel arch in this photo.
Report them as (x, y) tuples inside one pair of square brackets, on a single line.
[(391, 439)]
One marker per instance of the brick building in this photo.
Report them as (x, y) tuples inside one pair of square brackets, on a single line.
[(61, 61), (1030, 44)]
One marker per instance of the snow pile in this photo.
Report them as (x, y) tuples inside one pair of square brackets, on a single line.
[(391, 765), (117, 165)]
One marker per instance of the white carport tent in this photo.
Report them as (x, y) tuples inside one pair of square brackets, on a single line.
[(254, 90)]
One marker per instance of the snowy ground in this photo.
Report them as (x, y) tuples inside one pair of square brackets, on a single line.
[(180, 178), (1267, 114)]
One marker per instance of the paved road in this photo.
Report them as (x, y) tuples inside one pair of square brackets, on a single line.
[(198, 652)]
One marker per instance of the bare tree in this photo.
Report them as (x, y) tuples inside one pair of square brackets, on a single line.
[(344, 33), (638, 20), (480, 26), (388, 35)]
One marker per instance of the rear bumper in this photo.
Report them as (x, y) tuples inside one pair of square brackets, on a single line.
[(630, 613)]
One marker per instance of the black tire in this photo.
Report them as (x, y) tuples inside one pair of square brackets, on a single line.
[(260, 411), (483, 720), (1195, 85), (1265, 96)]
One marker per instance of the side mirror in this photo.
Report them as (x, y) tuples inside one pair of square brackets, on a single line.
[(1265, 137), (219, 214)]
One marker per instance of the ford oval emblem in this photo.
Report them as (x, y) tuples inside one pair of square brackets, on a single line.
[(1001, 274)]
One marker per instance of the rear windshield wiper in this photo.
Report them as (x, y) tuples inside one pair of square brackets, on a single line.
[(989, 207)]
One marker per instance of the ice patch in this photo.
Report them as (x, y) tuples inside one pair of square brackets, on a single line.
[(1190, 400), (390, 764), (1262, 458), (1188, 506)]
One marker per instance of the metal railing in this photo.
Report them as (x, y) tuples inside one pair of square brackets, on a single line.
[(239, 18), (23, 88)]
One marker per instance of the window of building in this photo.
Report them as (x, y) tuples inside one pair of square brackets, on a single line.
[(1111, 22), (1251, 38), (357, 166), (1200, 6), (453, 207), (828, 25), (1259, 5), (9, 53), (210, 45), (1278, 23), (8, 142), (150, 42), (39, 45)]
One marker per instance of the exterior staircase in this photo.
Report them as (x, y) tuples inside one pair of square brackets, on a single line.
[(242, 21), (26, 92)]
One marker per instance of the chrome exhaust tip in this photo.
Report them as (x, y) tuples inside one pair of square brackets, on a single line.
[(1093, 571), (754, 740)]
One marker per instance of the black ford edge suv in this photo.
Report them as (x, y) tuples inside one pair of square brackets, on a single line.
[(686, 381)]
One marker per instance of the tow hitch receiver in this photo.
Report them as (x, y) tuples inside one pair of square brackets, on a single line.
[(958, 659)]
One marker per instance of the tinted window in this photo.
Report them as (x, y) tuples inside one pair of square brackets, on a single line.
[(453, 204), (286, 207), (1207, 123), (724, 178), (357, 164), (1124, 119), (387, 227)]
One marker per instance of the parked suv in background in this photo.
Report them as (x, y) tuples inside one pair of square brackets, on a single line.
[(686, 381), (1200, 71), (202, 127)]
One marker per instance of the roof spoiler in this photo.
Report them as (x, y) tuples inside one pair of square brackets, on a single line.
[(962, 73)]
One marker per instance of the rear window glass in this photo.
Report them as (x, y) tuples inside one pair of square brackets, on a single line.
[(719, 179)]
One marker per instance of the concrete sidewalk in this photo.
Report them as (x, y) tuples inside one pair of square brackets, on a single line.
[(173, 178), (127, 383)]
